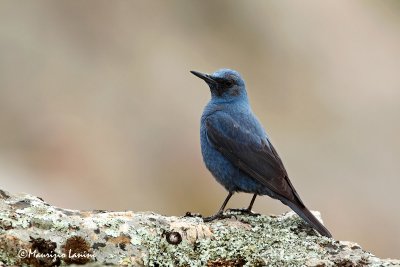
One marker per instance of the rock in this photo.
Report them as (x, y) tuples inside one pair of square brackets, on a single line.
[(35, 233)]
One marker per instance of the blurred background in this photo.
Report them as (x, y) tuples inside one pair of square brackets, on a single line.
[(98, 109)]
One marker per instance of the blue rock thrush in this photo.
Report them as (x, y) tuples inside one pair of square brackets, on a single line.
[(237, 150)]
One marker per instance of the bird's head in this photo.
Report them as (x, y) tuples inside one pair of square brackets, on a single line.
[(225, 84)]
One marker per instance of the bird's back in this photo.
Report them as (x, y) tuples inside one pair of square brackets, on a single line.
[(224, 171)]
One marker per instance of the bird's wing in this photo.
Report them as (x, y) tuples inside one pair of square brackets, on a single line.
[(252, 154)]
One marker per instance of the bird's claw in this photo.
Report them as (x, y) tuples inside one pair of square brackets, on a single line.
[(193, 215), (244, 212), (217, 216)]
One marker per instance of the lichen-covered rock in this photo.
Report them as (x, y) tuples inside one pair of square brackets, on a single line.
[(35, 233)]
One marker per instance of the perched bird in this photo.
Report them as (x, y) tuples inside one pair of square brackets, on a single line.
[(237, 150)]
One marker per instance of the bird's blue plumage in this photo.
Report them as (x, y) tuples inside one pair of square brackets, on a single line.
[(227, 174), (235, 109), (237, 150)]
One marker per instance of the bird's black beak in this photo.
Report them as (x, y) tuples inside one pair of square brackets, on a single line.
[(206, 77)]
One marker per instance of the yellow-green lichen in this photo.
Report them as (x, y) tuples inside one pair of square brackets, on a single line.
[(248, 240)]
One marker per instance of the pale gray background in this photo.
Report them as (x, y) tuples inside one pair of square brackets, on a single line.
[(98, 109)]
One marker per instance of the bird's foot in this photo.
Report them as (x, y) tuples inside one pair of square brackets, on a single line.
[(193, 215), (217, 216), (245, 212)]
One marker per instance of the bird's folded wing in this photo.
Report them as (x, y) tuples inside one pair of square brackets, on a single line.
[(252, 154)]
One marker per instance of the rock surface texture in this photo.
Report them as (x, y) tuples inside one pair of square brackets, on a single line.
[(35, 233)]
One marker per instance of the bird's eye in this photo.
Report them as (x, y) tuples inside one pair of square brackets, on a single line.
[(228, 83)]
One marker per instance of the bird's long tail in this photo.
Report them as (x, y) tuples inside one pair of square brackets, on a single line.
[(306, 215)]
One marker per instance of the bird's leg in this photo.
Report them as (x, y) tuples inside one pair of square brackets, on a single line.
[(252, 202), (248, 210), (220, 213)]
